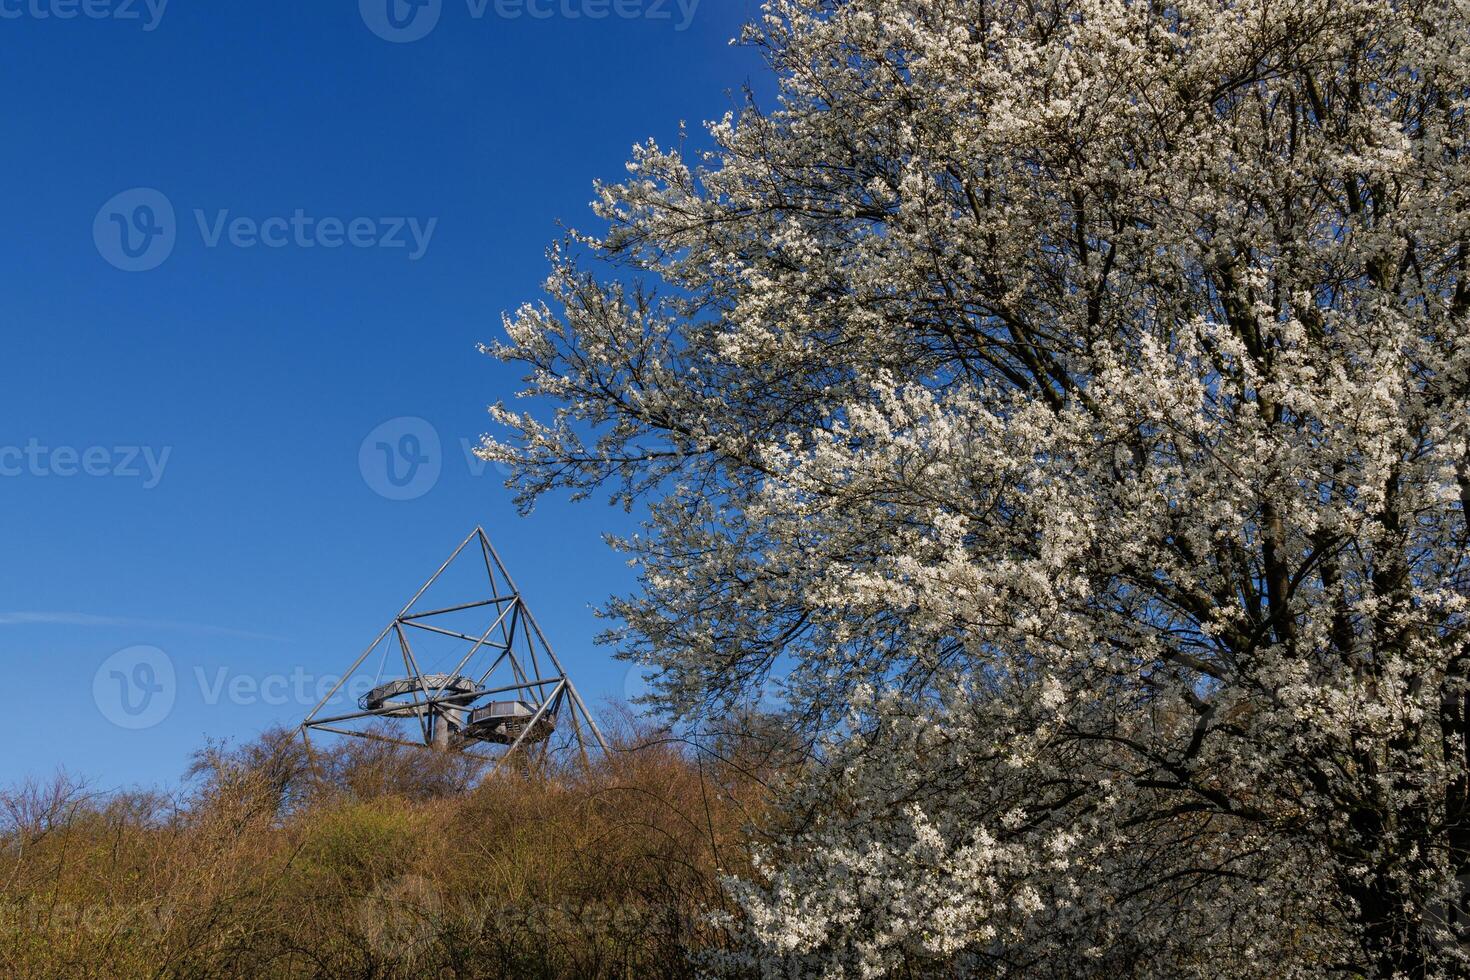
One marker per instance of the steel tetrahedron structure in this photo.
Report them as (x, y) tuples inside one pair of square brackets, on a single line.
[(463, 665)]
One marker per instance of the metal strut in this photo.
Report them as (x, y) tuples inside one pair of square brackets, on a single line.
[(464, 705)]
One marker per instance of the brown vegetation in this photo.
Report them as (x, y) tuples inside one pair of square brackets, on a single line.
[(378, 861)]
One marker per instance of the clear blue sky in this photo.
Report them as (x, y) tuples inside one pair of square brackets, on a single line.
[(242, 378)]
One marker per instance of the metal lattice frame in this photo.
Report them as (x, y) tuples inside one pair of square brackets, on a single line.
[(457, 708)]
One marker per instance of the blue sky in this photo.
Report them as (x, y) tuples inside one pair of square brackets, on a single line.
[(185, 461)]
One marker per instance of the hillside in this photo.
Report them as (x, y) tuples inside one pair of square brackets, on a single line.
[(378, 861)]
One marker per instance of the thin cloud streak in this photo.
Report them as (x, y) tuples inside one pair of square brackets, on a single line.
[(90, 619)]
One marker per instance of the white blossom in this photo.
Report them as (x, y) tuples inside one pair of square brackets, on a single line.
[(1073, 395)]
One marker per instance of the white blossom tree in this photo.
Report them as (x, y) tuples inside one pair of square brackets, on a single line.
[(1072, 393)]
